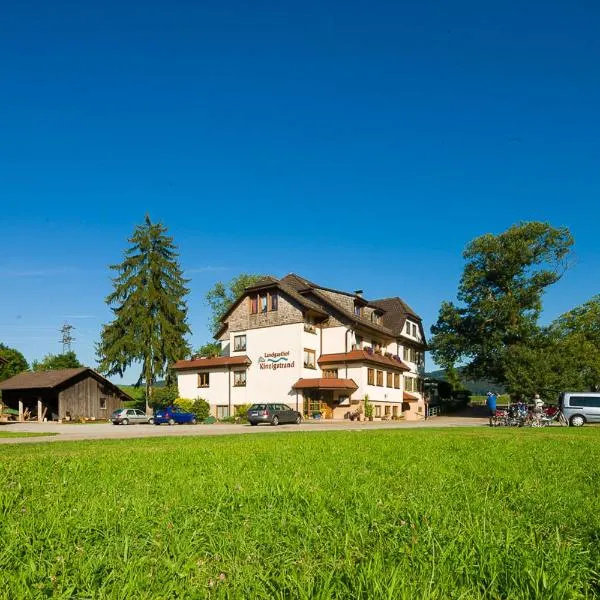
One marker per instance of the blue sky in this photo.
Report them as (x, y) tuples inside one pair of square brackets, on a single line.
[(360, 144)]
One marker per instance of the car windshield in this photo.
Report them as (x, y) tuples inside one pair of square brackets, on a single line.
[(117, 412)]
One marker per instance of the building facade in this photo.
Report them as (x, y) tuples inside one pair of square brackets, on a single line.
[(319, 350)]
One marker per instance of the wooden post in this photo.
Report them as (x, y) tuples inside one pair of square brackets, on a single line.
[(39, 411), (20, 410)]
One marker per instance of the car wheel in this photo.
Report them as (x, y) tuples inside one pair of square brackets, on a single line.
[(171, 421), (577, 421), (194, 421), (125, 422), (275, 420), (151, 421), (253, 423), (298, 420)]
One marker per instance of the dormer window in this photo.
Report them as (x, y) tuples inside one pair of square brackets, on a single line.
[(358, 310), (375, 318), (407, 327)]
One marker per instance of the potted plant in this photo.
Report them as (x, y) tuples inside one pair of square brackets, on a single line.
[(368, 408)]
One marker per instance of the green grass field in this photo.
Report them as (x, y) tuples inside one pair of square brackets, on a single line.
[(412, 514)]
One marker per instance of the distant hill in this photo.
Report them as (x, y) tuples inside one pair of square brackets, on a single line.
[(477, 387)]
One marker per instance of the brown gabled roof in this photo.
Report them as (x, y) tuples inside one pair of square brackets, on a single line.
[(325, 383), (205, 363), (271, 282), (396, 313), (351, 316), (54, 379), (363, 356)]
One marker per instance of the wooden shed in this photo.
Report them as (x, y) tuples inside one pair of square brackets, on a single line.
[(61, 394)]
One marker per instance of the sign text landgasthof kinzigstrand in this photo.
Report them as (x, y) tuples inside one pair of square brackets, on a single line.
[(275, 360)]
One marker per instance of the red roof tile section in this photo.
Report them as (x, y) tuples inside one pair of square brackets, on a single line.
[(219, 361), (325, 383), (363, 356), (409, 397)]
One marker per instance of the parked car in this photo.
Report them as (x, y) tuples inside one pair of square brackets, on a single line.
[(130, 416), (273, 414), (580, 408), (174, 414)]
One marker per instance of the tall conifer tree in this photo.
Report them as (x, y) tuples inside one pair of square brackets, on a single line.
[(148, 302)]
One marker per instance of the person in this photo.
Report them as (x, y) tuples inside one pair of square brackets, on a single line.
[(491, 404), (538, 405)]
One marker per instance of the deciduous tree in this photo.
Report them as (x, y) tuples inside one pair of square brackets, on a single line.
[(223, 294), (15, 362), (52, 362), (150, 311), (500, 298)]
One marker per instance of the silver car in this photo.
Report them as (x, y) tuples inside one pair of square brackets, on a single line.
[(580, 408), (130, 416)]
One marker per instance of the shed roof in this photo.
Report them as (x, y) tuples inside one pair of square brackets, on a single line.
[(54, 379)]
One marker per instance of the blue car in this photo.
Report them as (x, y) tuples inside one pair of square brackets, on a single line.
[(172, 415)]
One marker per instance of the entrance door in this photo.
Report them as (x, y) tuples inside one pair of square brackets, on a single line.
[(327, 404)]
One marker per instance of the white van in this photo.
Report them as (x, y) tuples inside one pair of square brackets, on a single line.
[(580, 408)]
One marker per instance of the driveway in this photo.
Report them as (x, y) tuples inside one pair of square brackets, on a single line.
[(103, 431)]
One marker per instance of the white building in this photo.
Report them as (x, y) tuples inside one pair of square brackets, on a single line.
[(317, 349)]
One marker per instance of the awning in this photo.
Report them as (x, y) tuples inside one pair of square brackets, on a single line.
[(325, 383), (409, 397)]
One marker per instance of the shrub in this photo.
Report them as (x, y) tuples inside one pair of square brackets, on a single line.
[(241, 411), (201, 409), (164, 396), (185, 404), (228, 420)]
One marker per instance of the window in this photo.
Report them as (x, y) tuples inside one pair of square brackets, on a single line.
[(590, 401), (397, 381), (239, 378), (374, 317), (222, 411), (357, 310), (410, 384), (388, 410), (380, 378), (309, 359), (263, 303), (394, 411), (406, 354), (239, 343), (203, 380), (274, 300), (377, 410), (103, 403), (330, 373), (414, 328), (408, 327), (370, 376), (359, 340), (254, 305), (390, 379)]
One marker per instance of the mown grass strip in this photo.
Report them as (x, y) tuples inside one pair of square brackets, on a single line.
[(23, 434)]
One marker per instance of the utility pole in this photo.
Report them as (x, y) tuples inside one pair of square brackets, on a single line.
[(67, 337)]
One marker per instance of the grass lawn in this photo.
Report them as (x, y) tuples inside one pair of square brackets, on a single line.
[(17, 434), (448, 513)]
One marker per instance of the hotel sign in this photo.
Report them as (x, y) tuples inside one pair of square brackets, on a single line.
[(275, 360)]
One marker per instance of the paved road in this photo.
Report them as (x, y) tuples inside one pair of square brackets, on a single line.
[(101, 431)]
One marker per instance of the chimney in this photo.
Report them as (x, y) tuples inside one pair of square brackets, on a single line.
[(358, 293)]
